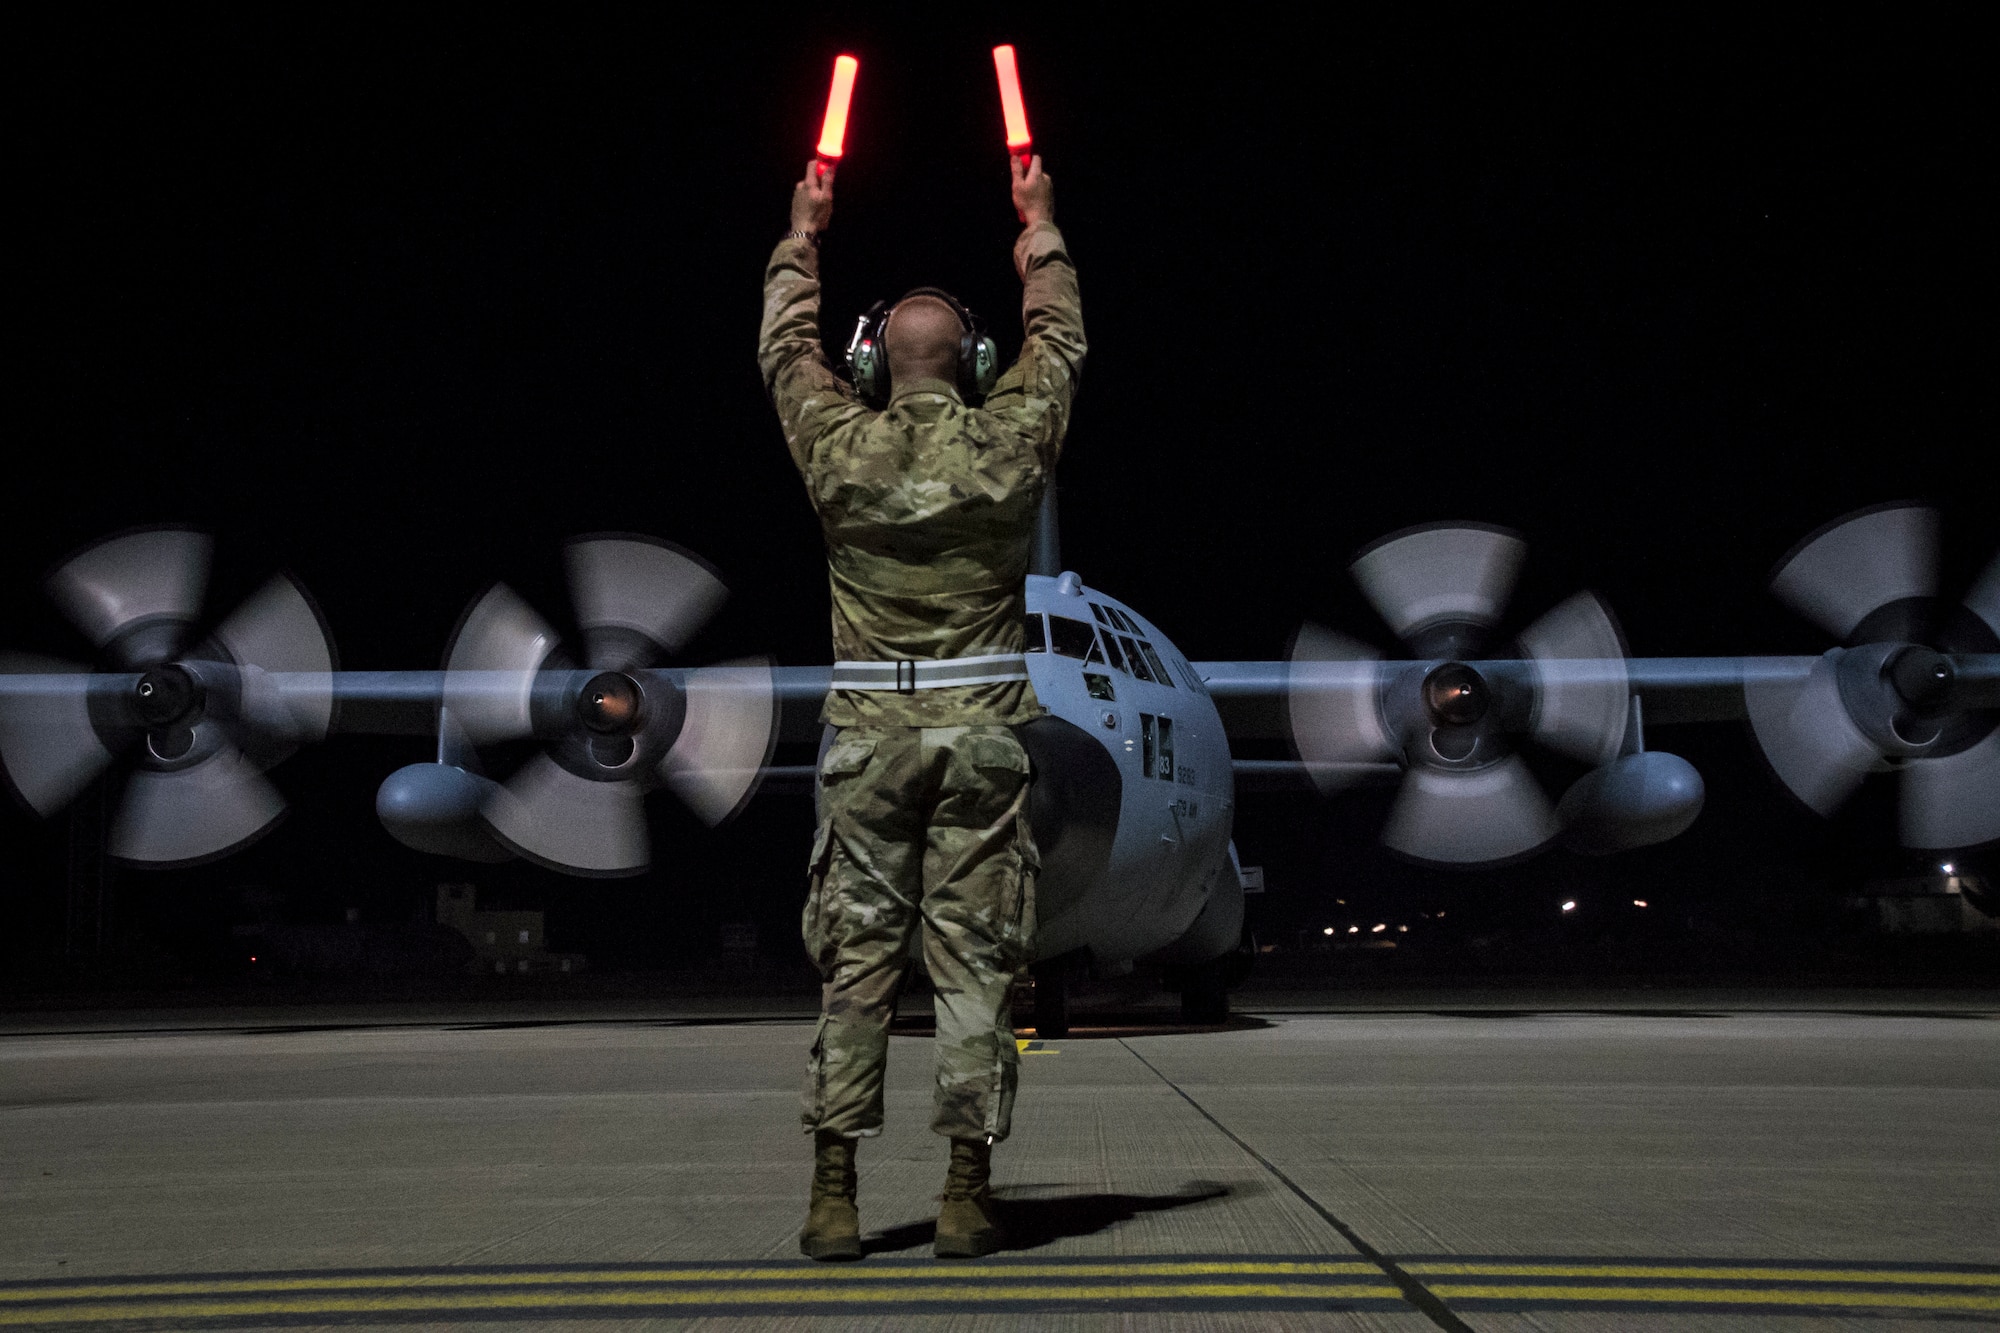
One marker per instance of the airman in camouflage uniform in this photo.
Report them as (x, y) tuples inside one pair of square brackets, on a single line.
[(927, 508)]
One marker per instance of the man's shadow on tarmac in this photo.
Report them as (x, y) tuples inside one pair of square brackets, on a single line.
[(1032, 1221)]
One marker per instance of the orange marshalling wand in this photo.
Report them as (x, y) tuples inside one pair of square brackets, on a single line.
[(1019, 141), (833, 132)]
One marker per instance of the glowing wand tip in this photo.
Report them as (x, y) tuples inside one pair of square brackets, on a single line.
[(833, 130), (1019, 141)]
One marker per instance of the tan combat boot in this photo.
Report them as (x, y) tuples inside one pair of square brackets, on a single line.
[(967, 1226), (833, 1226)]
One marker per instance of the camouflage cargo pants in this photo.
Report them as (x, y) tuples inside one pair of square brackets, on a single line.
[(919, 825)]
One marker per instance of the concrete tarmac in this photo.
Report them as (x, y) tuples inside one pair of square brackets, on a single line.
[(1759, 1166)]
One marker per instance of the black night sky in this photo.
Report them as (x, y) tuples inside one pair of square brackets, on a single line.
[(398, 301)]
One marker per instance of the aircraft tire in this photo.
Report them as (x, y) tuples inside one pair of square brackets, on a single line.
[(1205, 994), (1051, 1008)]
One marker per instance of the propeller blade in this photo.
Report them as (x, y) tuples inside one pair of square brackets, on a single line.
[(1432, 575), (278, 629), (634, 597), (1806, 734), (47, 746), (1581, 690), (491, 664), (1984, 599), (564, 822), (1331, 689), (727, 739), (144, 588), (1466, 818), (1858, 563), (188, 815), (1953, 802)]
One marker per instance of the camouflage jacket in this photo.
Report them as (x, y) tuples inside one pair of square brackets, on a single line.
[(928, 506)]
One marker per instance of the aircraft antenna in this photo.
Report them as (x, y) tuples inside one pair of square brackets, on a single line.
[(1046, 555)]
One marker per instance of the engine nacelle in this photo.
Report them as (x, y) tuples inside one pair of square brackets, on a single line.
[(1635, 800), (435, 808)]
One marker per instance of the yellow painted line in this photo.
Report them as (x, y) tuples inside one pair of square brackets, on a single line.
[(1880, 1276), (870, 1273), (842, 1293), (1898, 1300)]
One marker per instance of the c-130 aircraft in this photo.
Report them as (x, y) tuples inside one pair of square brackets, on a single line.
[(1136, 785)]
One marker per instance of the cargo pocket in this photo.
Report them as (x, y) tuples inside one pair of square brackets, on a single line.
[(844, 759), (996, 754), (848, 755), (810, 921), (813, 1108), (1022, 932)]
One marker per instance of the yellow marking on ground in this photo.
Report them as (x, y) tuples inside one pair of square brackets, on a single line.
[(1900, 1300), (974, 1284), (582, 1277), (1425, 1268), (840, 1293)]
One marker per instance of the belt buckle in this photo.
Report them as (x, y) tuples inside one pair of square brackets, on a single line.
[(902, 688)]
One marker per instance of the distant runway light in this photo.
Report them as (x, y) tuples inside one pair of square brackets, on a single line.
[(1946, 867), (1354, 930), (1329, 930), (833, 131), (1380, 926), (1016, 115), (1638, 902), (1570, 906)]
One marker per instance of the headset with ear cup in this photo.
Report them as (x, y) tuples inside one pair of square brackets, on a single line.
[(868, 359)]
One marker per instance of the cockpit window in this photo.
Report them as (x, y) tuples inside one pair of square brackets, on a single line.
[(1072, 638), (1037, 636), (1159, 667), (1098, 611), (1123, 621), (1139, 667)]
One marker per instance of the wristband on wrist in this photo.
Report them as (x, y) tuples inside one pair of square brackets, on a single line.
[(809, 237)]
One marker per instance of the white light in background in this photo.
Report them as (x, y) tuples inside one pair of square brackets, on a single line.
[(1570, 906), (1354, 930), (1638, 902), (1380, 926), (1329, 930), (1946, 867)]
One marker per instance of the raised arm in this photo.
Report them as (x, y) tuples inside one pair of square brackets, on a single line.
[(809, 397), (1035, 395)]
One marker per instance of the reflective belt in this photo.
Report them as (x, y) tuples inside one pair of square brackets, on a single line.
[(907, 677)]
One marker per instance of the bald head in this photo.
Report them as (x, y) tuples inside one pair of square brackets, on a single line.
[(922, 340)]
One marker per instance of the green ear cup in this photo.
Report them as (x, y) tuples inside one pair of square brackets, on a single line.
[(871, 374), (985, 365)]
